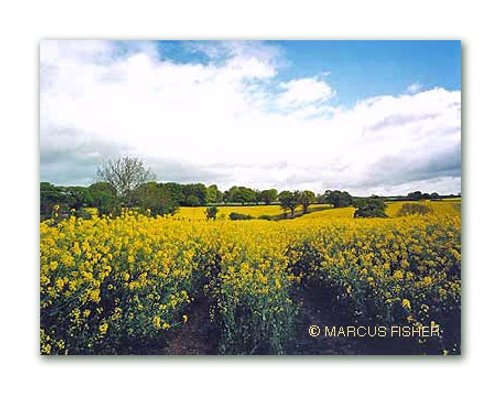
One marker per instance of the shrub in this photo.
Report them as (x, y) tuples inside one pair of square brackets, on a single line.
[(265, 217), (211, 212), (239, 216)]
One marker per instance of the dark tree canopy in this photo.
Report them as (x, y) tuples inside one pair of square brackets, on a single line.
[(289, 201), (50, 195), (337, 198), (77, 197), (434, 196), (373, 207), (305, 199), (176, 192), (415, 196), (194, 194), (211, 212), (103, 197), (268, 196), (240, 194), (153, 198), (214, 195)]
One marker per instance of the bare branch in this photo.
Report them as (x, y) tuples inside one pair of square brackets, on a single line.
[(124, 175)]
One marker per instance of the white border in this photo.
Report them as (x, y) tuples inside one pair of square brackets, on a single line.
[(23, 24)]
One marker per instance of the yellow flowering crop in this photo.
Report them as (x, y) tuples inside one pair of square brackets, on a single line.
[(109, 284)]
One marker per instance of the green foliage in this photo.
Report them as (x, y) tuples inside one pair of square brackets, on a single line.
[(415, 196), (191, 195), (103, 197), (268, 196), (418, 195), (289, 201), (305, 199), (194, 194), (373, 207), (77, 197), (265, 217), (211, 212), (240, 216), (214, 195), (240, 194), (70, 199), (337, 198), (154, 199), (434, 196), (414, 209), (50, 195), (192, 201), (175, 191)]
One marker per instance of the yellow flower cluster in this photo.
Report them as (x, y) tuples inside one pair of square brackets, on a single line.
[(105, 282), (393, 271)]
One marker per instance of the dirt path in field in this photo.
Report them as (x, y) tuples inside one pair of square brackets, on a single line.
[(198, 335), (313, 313)]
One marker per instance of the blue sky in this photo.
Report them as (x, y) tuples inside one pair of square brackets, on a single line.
[(369, 117), (361, 69), (358, 69)]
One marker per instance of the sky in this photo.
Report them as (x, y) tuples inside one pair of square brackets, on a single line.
[(369, 117)]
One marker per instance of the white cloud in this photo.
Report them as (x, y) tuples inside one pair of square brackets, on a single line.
[(217, 122), (304, 91), (414, 88)]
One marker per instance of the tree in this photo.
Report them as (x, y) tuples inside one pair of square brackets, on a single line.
[(434, 196), (50, 195), (337, 198), (175, 191), (370, 208), (77, 197), (305, 199), (192, 201), (415, 195), (289, 200), (214, 195), (124, 175), (194, 194), (245, 195), (327, 197), (211, 212), (256, 196), (103, 197), (268, 196), (240, 194), (154, 198)]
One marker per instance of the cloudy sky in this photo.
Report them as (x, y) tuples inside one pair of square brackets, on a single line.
[(364, 116)]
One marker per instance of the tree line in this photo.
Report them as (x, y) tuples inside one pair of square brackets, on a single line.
[(165, 198), (127, 183)]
